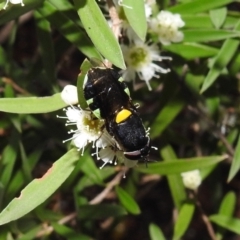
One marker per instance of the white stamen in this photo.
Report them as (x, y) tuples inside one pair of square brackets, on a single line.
[(103, 165)]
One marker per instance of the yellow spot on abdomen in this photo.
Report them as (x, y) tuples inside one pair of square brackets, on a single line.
[(122, 115)]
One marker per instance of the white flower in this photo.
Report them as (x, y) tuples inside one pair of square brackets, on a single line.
[(140, 58), (13, 2), (110, 155), (166, 26), (192, 179), (88, 128), (70, 95)]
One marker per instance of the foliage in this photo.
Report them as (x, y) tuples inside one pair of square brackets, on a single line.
[(48, 190)]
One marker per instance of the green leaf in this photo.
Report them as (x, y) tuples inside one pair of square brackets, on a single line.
[(69, 233), (25, 163), (17, 180), (191, 50), (31, 234), (234, 65), (235, 165), (40, 189), (183, 220), (194, 82), (66, 7), (167, 115), (231, 224), (227, 207), (218, 16), (197, 6), (9, 156), (175, 180), (135, 13), (204, 21), (208, 35), (127, 201), (44, 36), (197, 21), (155, 232), (228, 204), (210, 78), (99, 31), (180, 165), (69, 29), (32, 104), (100, 211), (88, 166), (223, 57), (15, 185), (86, 65)]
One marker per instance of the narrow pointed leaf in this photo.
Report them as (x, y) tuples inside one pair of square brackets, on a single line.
[(191, 50), (32, 104), (210, 78), (218, 16), (44, 36), (183, 220), (180, 165), (204, 21), (127, 201), (208, 35), (155, 232), (135, 13), (40, 189), (197, 21), (198, 6), (167, 115), (99, 31), (69, 29), (228, 204), (224, 56), (90, 169), (230, 223), (9, 156), (174, 180), (227, 207), (235, 166)]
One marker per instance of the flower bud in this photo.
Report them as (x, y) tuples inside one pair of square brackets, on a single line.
[(69, 95), (192, 179)]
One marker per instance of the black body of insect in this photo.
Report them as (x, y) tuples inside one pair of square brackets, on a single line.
[(107, 95)]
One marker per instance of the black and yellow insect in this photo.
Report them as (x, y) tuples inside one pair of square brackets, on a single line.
[(107, 95)]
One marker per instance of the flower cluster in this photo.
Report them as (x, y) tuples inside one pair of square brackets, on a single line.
[(91, 130), (166, 25), (142, 58)]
